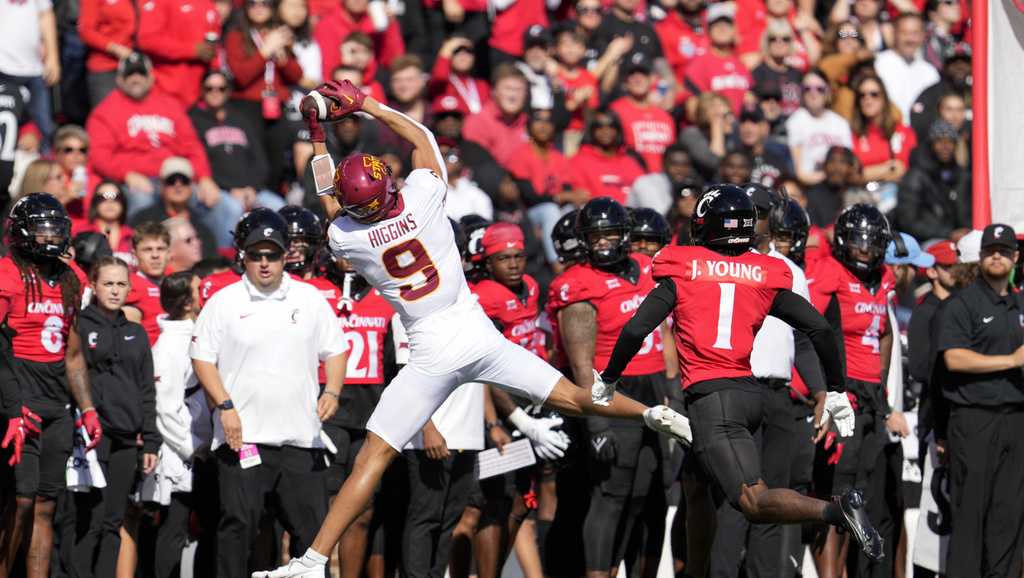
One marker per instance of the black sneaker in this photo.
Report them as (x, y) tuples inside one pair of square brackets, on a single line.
[(852, 505)]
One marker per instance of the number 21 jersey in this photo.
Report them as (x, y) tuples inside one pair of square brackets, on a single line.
[(721, 302), (410, 258)]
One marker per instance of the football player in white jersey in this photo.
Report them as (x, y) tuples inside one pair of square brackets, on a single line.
[(402, 243)]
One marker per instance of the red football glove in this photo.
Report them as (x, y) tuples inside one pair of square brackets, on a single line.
[(837, 452), (346, 98), (33, 422), (91, 421), (16, 434)]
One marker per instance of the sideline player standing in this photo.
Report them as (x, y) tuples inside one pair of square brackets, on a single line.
[(722, 397), (402, 243)]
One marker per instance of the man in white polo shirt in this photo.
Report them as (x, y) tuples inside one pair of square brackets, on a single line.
[(255, 349)]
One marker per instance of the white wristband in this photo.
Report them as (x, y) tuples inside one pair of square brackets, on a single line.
[(323, 174), (520, 419)]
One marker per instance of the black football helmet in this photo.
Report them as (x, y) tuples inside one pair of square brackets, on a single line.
[(89, 248), (724, 219), (863, 227), (790, 219), (304, 226), (38, 226), (649, 224), (567, 245), (257, 219), (473, 227), (604, 215)]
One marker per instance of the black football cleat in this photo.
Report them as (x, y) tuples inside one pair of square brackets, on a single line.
[(856, 521)]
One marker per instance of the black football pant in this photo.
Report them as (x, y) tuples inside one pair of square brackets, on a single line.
[(173, 534), (96, 537), (289, 481), (438, 493), (986, 477)]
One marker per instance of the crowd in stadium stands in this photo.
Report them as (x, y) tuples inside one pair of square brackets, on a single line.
[(158, 125)]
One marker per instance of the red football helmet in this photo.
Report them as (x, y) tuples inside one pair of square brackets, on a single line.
[(364, 187)]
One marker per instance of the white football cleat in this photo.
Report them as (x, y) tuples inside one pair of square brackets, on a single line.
[(295, 568), (665, 420)]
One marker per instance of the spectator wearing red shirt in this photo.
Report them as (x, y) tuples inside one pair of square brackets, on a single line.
[(753, 17), (719, 70), (260, 57), (357, 54), (106, 27), (151, 247), (350, 16), (542, 174), (176, 34), (880, 141), (511, 21), (452, 76), (136, 128), (500, 127), (682, 34), (108, 212), (647, 128), (577, 84), (603, 167)]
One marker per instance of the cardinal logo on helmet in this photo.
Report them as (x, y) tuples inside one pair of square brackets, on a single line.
[(377, 168)]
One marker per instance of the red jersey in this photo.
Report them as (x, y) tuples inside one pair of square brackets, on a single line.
[(721, 302), (680, 42), (570, 82), (646, 129), (518, 319), (548, 174), (101, 22), (39, 321), (145, 296), (213, 283), (604, 175), (365, 329), (723, 75), (863, 314), (329, 290), (873, 148), (616, 299)]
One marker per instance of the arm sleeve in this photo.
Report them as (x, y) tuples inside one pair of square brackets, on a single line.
[(656, 307), (87, 31), (799, 314), (807, 363)]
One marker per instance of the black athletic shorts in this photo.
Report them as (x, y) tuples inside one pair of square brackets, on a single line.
[(724, 420), (349, 442), (44, 458)]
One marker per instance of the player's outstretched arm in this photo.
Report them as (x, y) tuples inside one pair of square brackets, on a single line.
[(578, 325), (425, 154), (802, 316), (656, 308)]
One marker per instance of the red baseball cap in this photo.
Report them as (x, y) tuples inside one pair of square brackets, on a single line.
[(448, 104), (944, 253), (501, 236)]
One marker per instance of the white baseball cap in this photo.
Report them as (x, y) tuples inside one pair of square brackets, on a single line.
[(968, 248)]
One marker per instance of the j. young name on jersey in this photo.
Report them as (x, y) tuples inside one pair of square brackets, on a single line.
[(730, 271), (386, 233)]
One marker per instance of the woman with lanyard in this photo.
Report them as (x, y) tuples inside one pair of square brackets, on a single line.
[(881, 142), (260, 57), (39, 299), (121, 371)]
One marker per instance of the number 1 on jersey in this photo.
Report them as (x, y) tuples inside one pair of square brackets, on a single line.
[(723, 338)]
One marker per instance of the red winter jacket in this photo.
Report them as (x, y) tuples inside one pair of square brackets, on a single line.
[(249, 66), (138, 135), (102, 22), (169, 31)]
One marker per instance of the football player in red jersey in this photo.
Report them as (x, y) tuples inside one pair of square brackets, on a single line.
[(593, 302), (305, 240), (851, 288), (39, 300), (151, 244), (714, 343)]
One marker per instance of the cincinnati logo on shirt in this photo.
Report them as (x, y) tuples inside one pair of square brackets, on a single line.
[(524, 328), (870, 308), (46, 307), (631, 304), (359, 321)]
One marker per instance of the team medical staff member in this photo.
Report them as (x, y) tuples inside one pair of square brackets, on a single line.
[(982, 344), (256, 348)]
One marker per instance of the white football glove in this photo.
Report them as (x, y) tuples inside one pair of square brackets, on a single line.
[(668, 421), (601, 393), (548, 443), (839, 410)]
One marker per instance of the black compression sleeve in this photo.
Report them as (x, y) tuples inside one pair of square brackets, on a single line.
[(658, 304), (807, 363), (800, 315)]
